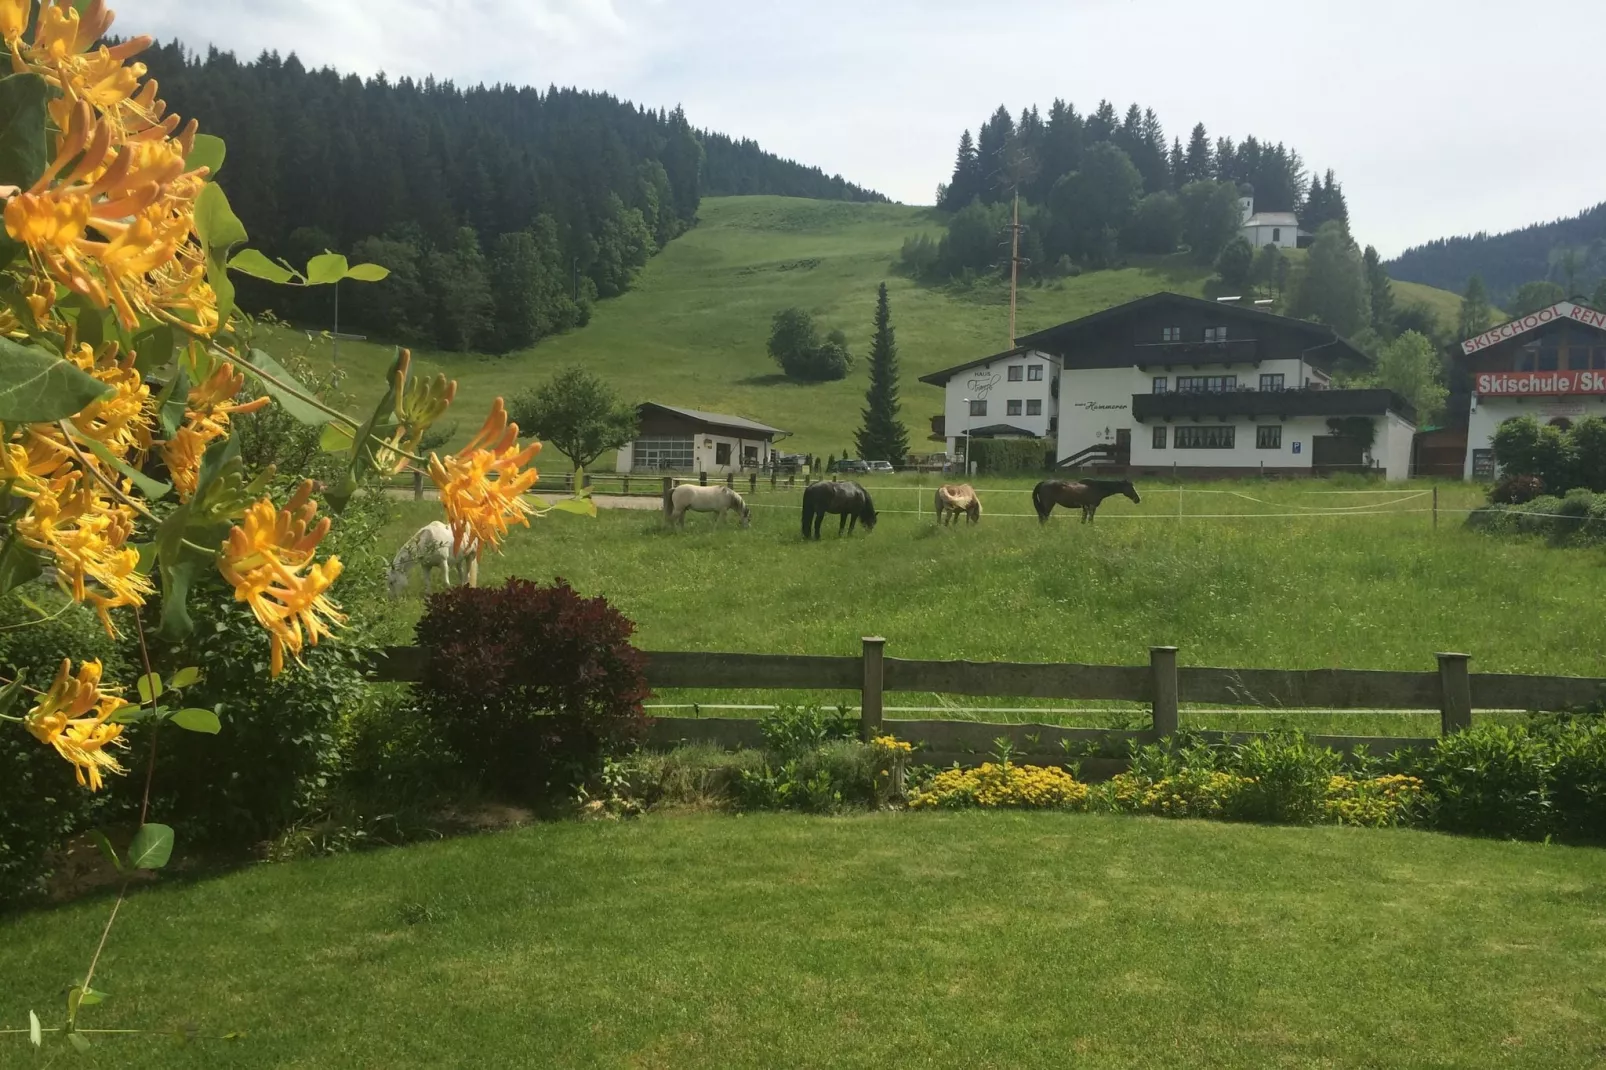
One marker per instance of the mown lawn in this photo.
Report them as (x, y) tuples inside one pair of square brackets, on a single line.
[(1306, 591), (979, 939)]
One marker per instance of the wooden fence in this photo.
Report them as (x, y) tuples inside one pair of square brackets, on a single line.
[(1452, 690)]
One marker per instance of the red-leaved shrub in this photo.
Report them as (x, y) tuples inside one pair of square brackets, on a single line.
[(1516, 490), (531, 685)]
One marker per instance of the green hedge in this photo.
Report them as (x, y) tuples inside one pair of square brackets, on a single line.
[(1011, 456), (1579, 518)]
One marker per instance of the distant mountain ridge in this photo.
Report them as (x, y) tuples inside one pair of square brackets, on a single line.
[(1506, 261)]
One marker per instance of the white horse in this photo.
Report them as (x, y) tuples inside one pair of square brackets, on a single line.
[(716, 499), (430, 549)]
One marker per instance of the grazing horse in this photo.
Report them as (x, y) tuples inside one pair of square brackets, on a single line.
[(717, 499), (1087, 493), (956, 498), (849, 499), (430, 549)]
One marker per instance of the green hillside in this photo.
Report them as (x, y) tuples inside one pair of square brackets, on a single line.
[(693, 330)]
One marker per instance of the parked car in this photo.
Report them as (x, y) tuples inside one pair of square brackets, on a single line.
[(847, 465), (878, 466)]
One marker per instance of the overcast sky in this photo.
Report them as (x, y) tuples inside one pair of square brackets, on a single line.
[(1440, 116)]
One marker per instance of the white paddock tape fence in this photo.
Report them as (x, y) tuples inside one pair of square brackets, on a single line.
[(1392, 503)]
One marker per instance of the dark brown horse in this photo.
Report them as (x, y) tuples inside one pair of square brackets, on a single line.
[(1087, 493)]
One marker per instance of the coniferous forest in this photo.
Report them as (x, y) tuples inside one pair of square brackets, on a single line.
[(1570, 253), (502, 213), (1098, 186)]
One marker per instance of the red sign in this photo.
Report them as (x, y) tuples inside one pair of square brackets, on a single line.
[(1512, 328), (1528, 384)]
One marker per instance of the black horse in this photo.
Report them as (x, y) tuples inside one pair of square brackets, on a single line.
[(848, 499), (1087, 493)]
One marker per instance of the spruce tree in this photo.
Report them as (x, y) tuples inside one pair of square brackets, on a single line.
[(1476, 315), (1382, 293), (883, 436), (1199, 163)]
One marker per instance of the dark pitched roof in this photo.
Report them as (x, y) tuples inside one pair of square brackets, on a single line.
[(1571, 310), (941, 378), (1062, 335), (715, 419)]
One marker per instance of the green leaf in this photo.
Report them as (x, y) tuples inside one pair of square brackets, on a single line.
[(23, 150), (150, 687), (177, 576), (173, 401), (217, 276), (37, 387), (207, 151), (154, 489), (106, 849), (378, 425), (214, 461), (152, 846), (325, 268), (306, 413), (256, 264), (215, 222), (79, 1042), (153, 348), (196, 719), (90, 321), (147, 557), (18, 564), (582, 506), (185, 676), (336, 438), (78, 996), (368, 272), (9, 694), (36, 1031)]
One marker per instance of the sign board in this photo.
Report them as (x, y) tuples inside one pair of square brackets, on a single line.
[(1529, 384), (1296, 447), (1562, 310), (1562, 407)]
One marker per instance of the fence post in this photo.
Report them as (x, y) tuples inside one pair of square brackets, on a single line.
[(627, 486), (730, 480), (1163, 684), (870, 697), (669, 488), (1436, 505), (702, 479), (752, 483), (791, 480), (418, 484), (773, 475), (1455, 693)]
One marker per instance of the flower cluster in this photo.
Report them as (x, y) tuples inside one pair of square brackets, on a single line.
[(1030, 787), (1191, 793), (74, 716), (892, 746), (1377, 802), (268, 559), (481, 486)]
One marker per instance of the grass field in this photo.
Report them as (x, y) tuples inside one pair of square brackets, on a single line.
[(962, 939), (1337, 588), (693, 330)]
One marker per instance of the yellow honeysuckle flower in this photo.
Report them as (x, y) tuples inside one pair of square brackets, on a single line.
[(73, 716), (268, 559), (13, 20), (481, 485), (87, 533)]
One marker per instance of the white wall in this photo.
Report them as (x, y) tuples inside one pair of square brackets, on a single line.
[(704, 455), (1244, 454), (993, 378), (1287, 237), (1391, 448), (1488, 413)]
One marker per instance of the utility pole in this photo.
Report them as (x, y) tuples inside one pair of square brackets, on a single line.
[(1014, 264)]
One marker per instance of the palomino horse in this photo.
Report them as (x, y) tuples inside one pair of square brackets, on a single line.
[(430, 549), (716, 499), (1087, 493), (956, 498), (849, 499)]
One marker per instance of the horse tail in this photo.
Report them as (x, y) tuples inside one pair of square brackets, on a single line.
[(1041, 503)]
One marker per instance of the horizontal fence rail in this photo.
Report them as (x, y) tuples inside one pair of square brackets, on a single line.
[(1452, 690)]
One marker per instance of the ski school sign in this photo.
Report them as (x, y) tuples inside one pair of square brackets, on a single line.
[(1564, 310), (1544, 384)]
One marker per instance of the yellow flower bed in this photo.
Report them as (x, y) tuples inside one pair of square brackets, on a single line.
[(1008, 785), (1191, 794), (1375, 803)]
